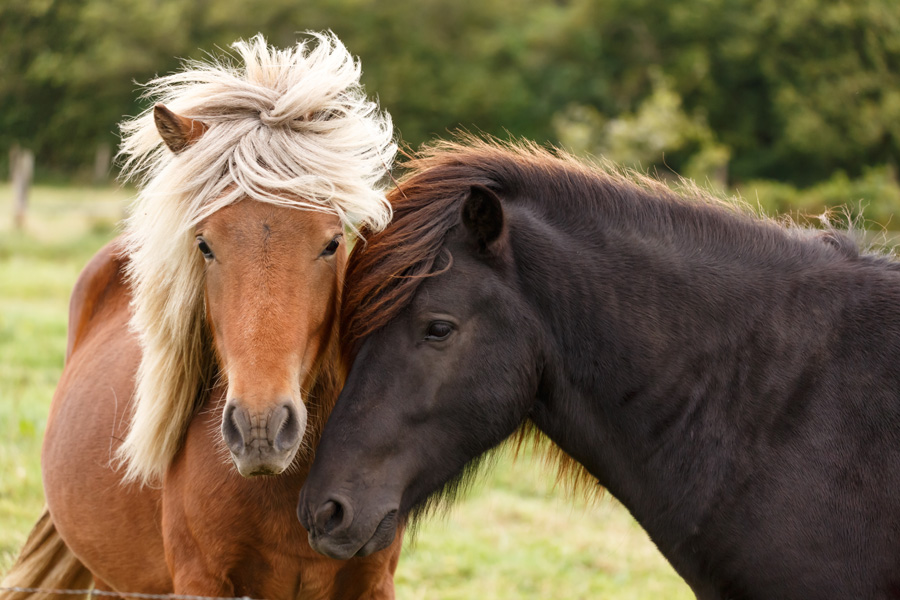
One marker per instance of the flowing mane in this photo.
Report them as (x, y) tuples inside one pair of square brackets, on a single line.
[(384, 273), (426, 204), (288, 127)]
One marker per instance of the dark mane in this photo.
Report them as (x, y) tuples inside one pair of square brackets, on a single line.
[(385, 271)]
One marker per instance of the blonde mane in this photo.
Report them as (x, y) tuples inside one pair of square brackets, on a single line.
[(290, 127)]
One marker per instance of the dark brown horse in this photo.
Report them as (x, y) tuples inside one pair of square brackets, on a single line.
[(732, 382), (202, 343)]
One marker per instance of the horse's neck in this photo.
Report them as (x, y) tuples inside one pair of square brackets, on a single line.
[(658, 350), (329, 379)]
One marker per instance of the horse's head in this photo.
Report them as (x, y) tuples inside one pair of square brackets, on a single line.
[(272, 275), (235, 232), (450, 375), (271, 288)]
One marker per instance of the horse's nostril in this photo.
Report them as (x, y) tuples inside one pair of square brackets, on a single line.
[(235, 428), (329, 517), (287, 428)]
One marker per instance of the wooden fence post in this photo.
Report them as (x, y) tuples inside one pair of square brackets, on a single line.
[(101, 163), (21, 165)]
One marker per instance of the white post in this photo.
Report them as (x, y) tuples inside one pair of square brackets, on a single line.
[(22, 170), (101, 163)]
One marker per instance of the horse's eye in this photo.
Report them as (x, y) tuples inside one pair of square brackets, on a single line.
[(204, 249), (332, 246), (438, 331)]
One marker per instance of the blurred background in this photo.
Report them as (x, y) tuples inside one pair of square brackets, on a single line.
[(798, 99), (793, 106)]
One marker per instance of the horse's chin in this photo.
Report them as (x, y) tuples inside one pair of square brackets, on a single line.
[(264, 466), (260, 472)]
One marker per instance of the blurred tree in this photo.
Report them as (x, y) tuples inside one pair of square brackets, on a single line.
[(657, 131), (795, 90), (70, 69), (791, 91)]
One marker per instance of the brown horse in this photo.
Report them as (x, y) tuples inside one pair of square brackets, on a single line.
[(206, 336)]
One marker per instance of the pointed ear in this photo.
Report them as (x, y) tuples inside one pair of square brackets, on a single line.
[(482, 215), (177, 132)]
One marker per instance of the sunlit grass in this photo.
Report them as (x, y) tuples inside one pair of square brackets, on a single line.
[(38, 266), (512, 536), (516, 536)]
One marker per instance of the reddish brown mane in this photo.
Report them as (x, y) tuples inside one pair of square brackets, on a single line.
[(385, 271)]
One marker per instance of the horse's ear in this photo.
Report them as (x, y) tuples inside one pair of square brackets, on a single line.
[(482, 215), (177, 132)]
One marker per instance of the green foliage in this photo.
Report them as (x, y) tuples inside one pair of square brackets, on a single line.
[(796, 90), (736, 89), (658, 132), (873, 198), (69, 68)]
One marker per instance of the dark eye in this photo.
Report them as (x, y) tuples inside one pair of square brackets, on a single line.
[(204, 249), (438, 331), (332, 246)]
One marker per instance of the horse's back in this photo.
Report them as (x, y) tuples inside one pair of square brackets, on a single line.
[(100, 288), (112, 528)]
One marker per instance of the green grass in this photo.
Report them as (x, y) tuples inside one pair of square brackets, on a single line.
[(513, 536), (38, 267)]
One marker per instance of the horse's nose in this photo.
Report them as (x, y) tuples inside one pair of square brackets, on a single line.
[(263, 441), (283, 427), (336, 531), (331, 518), (235, 427)]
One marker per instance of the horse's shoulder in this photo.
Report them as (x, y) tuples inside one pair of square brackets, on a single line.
[(100, 287)]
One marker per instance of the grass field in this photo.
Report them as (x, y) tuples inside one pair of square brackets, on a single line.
[(513, 536)]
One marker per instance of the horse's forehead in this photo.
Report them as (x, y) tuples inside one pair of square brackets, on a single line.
[(251, 217), (458, 279)]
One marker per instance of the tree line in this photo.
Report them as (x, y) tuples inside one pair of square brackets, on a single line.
[(730, 90)]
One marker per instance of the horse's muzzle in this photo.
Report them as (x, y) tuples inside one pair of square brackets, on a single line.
[(335, 531), (263, 442)]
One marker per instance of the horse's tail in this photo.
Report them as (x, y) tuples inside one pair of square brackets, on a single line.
[(45, 563)]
